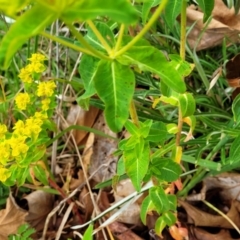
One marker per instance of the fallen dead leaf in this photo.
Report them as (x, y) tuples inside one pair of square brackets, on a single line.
[(120, 231), (11, 218), (200, 234), (78, 116), (224, 24), (201, 218), (103, 163), (40, 203)]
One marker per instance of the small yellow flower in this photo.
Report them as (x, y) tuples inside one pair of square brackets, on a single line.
[(5, 152), (37, 57), (40, 115), (4, 174), (33, 127), (45, 104), (19, 128), (18, 146), (25, 75), (35, 67), (3, 130), (22, 100), (46, 89)]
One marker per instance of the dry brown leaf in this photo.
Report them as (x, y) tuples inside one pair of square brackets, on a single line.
[(223, 24), (86, 201), (201, 234), (103, 163), (132, 213), (78, 116), (120, 231), (40, 203), (11, 218), (88, 151), (200, 218)]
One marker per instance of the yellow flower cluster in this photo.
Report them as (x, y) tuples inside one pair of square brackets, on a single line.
[(4, 173), (46, 89), (22, 100), (31, 127), (36, 66)]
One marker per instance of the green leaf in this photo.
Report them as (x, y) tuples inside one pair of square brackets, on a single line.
[(172, 128), (10, 8), (160, 225), (88, 233), (158, 132), (147, 205), (159, 199), (169, 218), (184, 68), (87, 69), (187, 104), (121, 11), (105, 31), (115, 85), (120, 167), (172, 199), (151, 59), (41, 174), (207, 7), (132, 128), (236, 109), (234, 154), (146, 7), (145, 127), (136, 164), (29, 24), (165, 169), (172, 10)]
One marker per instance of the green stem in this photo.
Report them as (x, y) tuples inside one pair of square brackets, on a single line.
[(183, 29), (120, 36), (99, 36), (67, 44), (145, 29), (133, 113), (80, 38)]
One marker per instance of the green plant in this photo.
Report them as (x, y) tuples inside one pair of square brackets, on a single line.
[(23, 233), (112, 65)]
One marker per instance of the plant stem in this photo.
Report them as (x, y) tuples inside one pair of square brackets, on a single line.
[(67, 44), (133, 113), (119, 39), (145, 29), (182, 55), (99, 36), (80, 38), (183, 29)]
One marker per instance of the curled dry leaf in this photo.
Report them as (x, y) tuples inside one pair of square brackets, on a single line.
[(132, 213), (40, 203), (102, 163), (78, 116), (201, 218), (200, 234), (11, 218), (224, 23)]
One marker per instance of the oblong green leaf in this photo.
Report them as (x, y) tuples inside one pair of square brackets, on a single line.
[(207, 7), (115, 85), (29, 24), (159, 199), (87, 69), (187, 104), (234, 154), (136, 164), (147, 206), (120, 10), (151, 59), (88, 233), (172, 10), (165, 169), (169, 218), (236, 109), (106, 33)]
